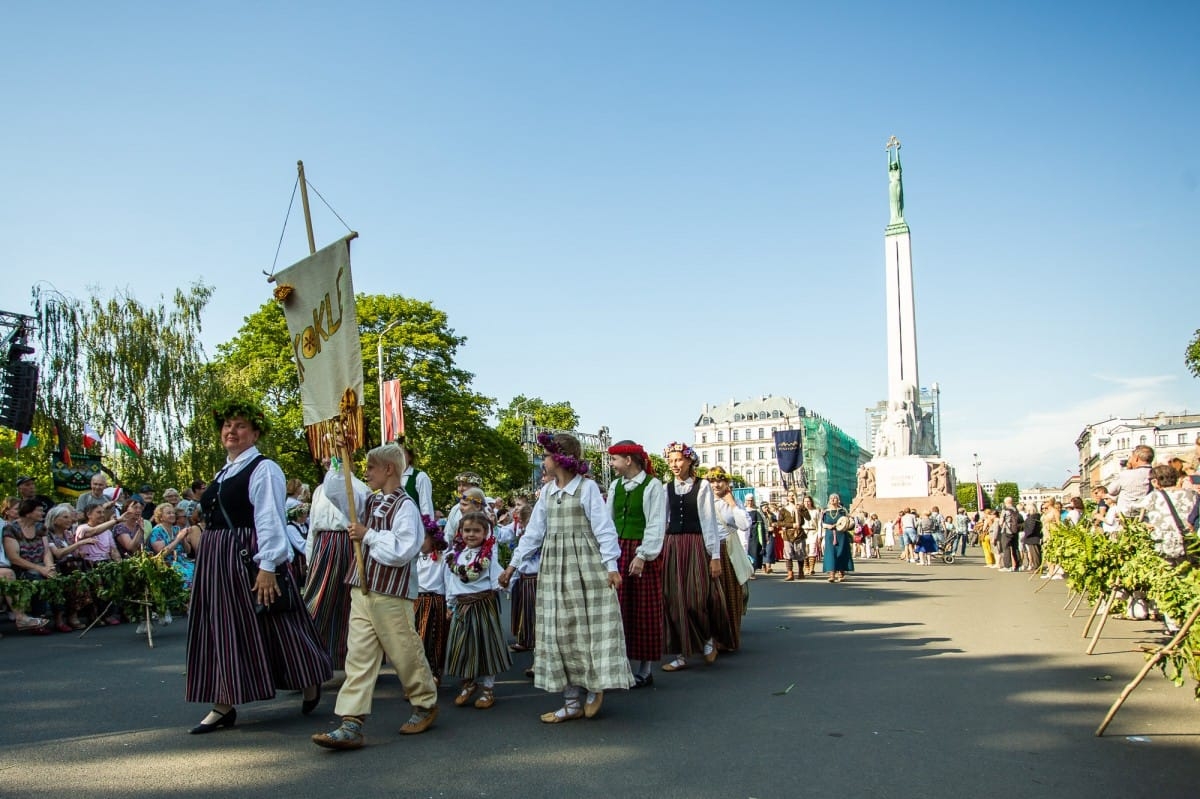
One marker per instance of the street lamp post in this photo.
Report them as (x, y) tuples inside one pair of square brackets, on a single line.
[(978, 485), (379, 370)]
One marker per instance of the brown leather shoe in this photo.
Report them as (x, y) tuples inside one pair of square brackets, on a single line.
[(590, 709), (465, 692), (487, 698), (419, 721)]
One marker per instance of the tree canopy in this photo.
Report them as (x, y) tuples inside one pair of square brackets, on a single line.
[(445, 419)]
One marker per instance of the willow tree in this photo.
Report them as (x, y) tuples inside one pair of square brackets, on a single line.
[(445, 418), (113, 361)]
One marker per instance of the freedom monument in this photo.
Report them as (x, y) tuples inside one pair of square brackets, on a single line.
[(905, 471)]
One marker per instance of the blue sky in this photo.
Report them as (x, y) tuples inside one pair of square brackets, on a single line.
[(643, 207)]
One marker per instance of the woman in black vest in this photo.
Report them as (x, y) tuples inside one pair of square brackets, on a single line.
[(240, 649), (692, 594)]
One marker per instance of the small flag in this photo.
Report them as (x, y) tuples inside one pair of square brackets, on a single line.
[(90, 437), (64, 451), (125, 443), (391, 405), (26, 440)]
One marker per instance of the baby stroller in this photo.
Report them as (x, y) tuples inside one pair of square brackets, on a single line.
[(946, 550)]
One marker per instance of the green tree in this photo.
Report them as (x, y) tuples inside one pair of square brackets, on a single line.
[(1006, 490), (967, 498), (554, 415), (114, 361), (1191, 356), (445, 419)]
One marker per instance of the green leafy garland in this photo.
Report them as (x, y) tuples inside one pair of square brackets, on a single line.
[(138, 579), (1094, 564)]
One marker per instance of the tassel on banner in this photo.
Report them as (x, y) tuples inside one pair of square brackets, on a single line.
[(349, 425)]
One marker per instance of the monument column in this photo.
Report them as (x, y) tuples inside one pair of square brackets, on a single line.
[(901, 313)]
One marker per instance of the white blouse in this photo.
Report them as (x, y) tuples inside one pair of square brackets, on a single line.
[(431, 574), (593, 507), (455, 587)]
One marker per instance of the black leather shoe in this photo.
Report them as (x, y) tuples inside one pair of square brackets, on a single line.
[(309, 705), (227, 720), (643, 682)]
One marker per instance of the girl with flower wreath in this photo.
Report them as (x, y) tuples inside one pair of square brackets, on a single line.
[(692, 591), (580, 636), (432, 619), (476, 650)]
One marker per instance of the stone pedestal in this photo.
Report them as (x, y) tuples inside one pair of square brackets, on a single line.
[(886, 486)]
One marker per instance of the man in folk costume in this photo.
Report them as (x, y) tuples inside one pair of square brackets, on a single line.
[(417, 484), (382, 621), (637, 501)]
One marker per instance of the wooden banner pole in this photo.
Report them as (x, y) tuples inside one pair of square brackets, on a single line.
[(343, 448)]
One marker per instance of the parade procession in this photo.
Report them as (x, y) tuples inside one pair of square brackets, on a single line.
[(666, 401)]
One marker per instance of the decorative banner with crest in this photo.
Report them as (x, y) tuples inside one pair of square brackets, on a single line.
[(317, 295)]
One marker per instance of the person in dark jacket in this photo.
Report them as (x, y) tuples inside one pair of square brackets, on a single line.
[(1031, 539)]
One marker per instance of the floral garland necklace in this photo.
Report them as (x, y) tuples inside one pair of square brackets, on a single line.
[(478, 566)]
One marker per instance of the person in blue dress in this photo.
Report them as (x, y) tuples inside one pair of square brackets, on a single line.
[(838, 554)]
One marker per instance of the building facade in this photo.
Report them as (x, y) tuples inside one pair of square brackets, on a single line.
[(740, 437), (1104, 446)]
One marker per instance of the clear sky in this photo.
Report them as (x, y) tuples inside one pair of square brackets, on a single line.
[(643, 207)]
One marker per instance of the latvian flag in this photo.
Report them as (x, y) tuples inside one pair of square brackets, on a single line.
[(125, 443)]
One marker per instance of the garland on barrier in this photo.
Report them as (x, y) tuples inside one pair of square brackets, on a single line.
[(1094, 564), (140, 579)]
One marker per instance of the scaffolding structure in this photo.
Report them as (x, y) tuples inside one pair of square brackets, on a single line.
[(591, 442), (831, 460)]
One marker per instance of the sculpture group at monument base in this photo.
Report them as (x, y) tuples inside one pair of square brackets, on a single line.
[(887, 486)]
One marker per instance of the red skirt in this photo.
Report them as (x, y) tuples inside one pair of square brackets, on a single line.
[(641, 601)]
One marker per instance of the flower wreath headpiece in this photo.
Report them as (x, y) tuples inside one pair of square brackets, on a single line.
[(576, 465), (685, 449), (439, 535), (717, 473), (240, 408)]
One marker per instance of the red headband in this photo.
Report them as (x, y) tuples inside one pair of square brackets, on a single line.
[(633, 449)]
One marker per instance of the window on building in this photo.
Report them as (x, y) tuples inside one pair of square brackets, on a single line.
[(760, 433), (1162, 441), (772, 452), (1182, 438), (772, 431), (762, 477), (1142, 440), (774, 477), (720, 456), (720, 435), (735, 435), (736, 455), (704, 438), (704, 457)]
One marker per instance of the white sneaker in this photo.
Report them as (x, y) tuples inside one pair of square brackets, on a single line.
[(1006, 570)]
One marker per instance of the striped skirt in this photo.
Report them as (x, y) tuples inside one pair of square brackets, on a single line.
[(641, 601), (326, 595), (693, 602), (235, 655), (476, 646), (524, 605), (429, 612), (735, 605)]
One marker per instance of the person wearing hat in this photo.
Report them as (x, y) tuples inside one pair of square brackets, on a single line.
[(146, 492), (693, 598), (240, 649), (27, 489), (638, 506)]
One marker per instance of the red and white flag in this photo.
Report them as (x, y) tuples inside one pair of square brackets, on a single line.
[(391, 406), (90, 437)]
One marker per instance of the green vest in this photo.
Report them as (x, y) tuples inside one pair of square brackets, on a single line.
[(410, 486), (628, 514)]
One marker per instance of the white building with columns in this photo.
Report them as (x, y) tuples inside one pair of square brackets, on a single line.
[(739, 436), (1104, 445)]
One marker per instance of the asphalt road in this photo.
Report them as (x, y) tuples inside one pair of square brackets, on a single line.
[(904, 681)]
